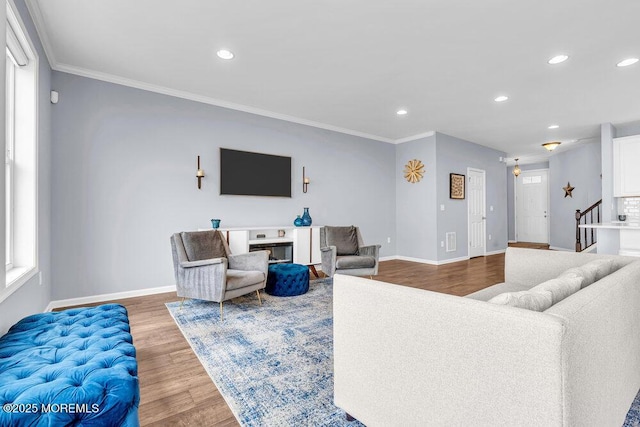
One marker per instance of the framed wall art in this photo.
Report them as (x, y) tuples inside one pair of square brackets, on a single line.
[(456, 186)]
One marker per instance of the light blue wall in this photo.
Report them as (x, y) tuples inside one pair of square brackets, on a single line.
[(124, 164), (455, 155), (580, 166), (33, 297), (416, 230), (511, 192)]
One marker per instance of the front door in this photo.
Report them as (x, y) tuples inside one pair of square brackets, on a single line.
[(477, 212), (532, 206)]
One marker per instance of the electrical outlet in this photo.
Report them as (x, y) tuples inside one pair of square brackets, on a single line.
[(442, 244), (388, 239)]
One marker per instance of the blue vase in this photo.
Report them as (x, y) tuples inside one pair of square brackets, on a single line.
[(298, 221), (215, 224), (306, 218)]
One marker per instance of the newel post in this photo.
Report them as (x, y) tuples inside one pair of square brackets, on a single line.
[(578, 244)]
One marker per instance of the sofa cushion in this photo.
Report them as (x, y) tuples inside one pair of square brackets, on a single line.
[(560, 287), (237, 279), (591, 272), (345, 239), (203, 245), (355, 261), (491, 291), (536, 301)]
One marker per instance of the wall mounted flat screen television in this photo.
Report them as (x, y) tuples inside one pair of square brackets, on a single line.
[(254, 174)]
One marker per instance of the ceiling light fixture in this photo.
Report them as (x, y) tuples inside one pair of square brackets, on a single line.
[(225, 54), (501, 98), (553, 127), (627, 62), (550, 146), (557, 59), (516, 169), (401, 112)]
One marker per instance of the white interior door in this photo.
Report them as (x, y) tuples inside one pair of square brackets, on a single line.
[(477, 212), (532, 206)]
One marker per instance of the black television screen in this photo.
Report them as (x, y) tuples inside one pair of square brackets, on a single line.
[(254, 174)]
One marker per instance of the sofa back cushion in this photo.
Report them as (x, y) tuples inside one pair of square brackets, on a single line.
[(560, 287), (592, 271), (536, 301)]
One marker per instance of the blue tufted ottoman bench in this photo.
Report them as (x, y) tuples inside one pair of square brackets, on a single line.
[(68, 368), (287, 280)]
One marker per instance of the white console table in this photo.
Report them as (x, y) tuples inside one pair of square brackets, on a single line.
[(305, 240)]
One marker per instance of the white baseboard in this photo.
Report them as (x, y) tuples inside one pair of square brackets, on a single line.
[(452, 260), (499, 251), (412, 259), (388, 258), (556, 248), (512, 241), (108, 297)]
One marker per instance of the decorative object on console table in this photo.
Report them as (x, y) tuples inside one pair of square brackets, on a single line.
[(456, 186), (306, 218), (298, 221), (199, 174), (215, 224)]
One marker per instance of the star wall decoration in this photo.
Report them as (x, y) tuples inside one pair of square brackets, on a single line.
[(567, 190)]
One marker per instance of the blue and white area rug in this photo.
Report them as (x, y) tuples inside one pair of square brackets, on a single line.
[(273, 363)]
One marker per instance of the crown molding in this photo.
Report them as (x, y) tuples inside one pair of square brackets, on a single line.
[(414, 137), (38, 21)]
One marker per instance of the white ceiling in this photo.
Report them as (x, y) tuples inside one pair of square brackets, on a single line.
[(349, 65)]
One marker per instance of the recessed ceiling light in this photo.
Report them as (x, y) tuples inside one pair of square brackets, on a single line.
[(401, 112), (558, 59), (501, 98), (627, 62), (553, 127), (225, 54)]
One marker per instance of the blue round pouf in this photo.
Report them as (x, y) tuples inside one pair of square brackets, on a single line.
[(287, 280)]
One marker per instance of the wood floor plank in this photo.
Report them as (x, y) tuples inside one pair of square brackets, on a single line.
[(175, 389)]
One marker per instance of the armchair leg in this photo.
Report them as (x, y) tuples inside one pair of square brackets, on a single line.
[(221, 312), (259, 299), (182, 302)]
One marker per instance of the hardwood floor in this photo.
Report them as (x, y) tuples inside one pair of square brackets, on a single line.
[(175, 390)]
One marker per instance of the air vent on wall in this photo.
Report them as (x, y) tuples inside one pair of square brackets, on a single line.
[(451, 241)]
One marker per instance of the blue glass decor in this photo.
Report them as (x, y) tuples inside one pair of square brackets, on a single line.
[(306, 218), (215, 224), (298, 221)]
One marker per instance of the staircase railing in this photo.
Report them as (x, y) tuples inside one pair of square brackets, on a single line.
[(586, 237)]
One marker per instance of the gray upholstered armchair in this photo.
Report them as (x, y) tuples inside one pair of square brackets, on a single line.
[(344, 252), (205, 268)]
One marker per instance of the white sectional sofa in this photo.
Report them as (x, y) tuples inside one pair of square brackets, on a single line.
[(410, 357)]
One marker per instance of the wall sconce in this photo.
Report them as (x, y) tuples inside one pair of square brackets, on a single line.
[(199, 174), (305, 181), (550, 146), (516, 169)]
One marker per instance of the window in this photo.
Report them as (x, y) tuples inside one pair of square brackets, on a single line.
[(20, 156)]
